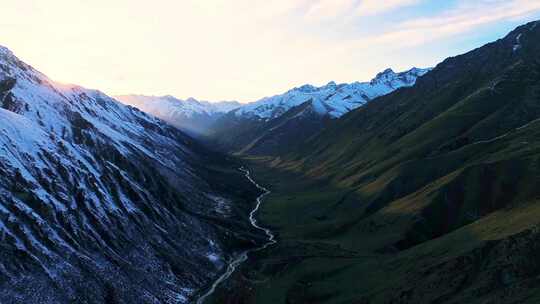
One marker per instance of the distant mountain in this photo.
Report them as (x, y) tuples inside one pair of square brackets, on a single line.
[(190, 115), (332, 99), (430, 194), (101, 203), (275, 123)]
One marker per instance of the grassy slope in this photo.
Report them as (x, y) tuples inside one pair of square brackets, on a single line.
[(330, 254), (428, 195)]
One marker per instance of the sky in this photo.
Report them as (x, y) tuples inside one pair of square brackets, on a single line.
[(244, 49)]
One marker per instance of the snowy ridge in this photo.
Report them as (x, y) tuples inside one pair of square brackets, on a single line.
[(190, 115), (86, 180), (332, 99), (162, 106), (55, 106)]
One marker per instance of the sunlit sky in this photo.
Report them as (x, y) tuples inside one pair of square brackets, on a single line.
[(244, 49)]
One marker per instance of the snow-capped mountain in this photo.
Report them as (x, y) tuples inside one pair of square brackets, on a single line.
[(191, 115), (163, 105), (101, 203), (273, 125), (332, 99)]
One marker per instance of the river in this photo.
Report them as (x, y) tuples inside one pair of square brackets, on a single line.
[(242, 257)]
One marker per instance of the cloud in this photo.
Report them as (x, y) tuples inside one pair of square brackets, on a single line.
[(374, 7), (327, 9), (336, 9), (235, 49), (465, 17)]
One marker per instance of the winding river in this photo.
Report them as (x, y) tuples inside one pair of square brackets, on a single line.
[(244, 255)]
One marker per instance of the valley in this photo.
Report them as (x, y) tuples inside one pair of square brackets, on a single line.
[(420, 186), (328, 253), (243, 256), (426, 195)]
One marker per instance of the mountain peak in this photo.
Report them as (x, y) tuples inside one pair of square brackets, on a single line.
[(388, 71), (5, 51), (170, 97), (305, 88), (390, 78), (193, 100), (415, 70), (384, 76)]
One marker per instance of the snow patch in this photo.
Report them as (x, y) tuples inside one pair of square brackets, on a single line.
[(222, 205), (517, 46), (214, 258)]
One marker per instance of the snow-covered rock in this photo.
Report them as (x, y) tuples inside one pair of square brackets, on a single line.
[(332, 99), (100, 202)]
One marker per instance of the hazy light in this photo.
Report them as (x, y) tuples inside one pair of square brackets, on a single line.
[(244, 50)]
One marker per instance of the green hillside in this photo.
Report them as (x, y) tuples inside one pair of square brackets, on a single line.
[(427, 195)]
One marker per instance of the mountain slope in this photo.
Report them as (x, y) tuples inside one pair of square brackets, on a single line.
[(426, 195), (190, 115), (269, 126), (444, 127), (101, 203)]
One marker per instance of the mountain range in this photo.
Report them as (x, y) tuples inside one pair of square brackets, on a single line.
[(265, 125), (332, 99), (274, 124), (190, 115)]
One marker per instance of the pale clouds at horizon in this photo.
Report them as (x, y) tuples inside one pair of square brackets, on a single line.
[(244, 50)]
